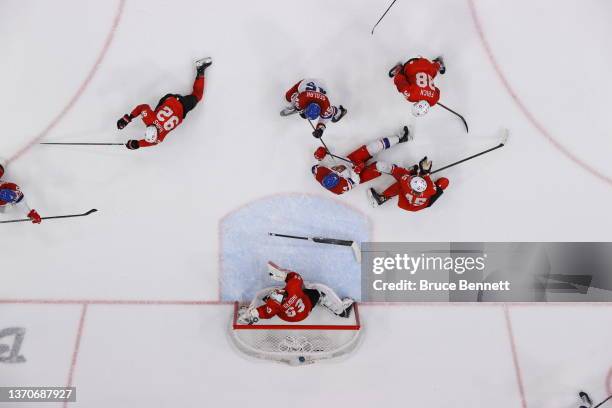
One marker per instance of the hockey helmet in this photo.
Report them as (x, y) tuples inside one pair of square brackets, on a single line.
[(418, 184), (331, 180), (420, 108), (151, 134), (8, 196), (312, 111)]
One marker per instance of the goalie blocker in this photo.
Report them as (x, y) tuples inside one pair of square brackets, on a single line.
[(300, 323)]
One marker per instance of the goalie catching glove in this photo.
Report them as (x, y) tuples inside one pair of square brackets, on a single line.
[(248, 315)]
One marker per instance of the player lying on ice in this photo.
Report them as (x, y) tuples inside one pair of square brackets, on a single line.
[(340, 177), (169, 112), (295, 301), (414, 186), (309, 98), (414, 80), (12, 197)]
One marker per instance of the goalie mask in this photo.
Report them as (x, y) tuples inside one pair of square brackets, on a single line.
[(277, 295)]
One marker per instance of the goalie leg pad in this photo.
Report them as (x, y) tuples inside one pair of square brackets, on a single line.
[(329, 299)]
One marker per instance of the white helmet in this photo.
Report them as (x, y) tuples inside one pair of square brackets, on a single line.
[(420, 108), (151, 134), (418, 184)]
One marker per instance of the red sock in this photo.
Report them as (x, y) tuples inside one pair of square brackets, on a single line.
[(198, 88)]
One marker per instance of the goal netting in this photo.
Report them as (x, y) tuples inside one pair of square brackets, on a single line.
[(320, 336)]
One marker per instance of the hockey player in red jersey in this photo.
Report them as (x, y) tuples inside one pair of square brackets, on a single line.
[(169, 112), (414, 186), (415, 80), (309, 98), (295, 301), (11, 196), (340, 177)]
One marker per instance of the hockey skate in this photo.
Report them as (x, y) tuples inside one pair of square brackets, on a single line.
[(440, 61), (202, 64), (586, 400), (393, 71), (375, 198), (347, 304), (339, 115), (289, 110), (406, 135)]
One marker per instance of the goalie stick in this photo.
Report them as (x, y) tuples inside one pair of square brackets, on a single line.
[(93, 210), (332, 241), (502, 143)]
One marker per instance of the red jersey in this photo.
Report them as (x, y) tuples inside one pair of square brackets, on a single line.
[(345, 183), (408, 199), (167, 116), (12, 187), (310, 91), (296, 305), (415, 81)]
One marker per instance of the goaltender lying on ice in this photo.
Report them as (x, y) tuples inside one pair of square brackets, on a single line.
[(295, 301), (284, 324)]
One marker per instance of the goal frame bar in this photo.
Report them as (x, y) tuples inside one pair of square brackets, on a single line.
[(237, 326)]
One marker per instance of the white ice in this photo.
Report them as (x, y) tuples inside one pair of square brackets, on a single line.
[(146, 266)]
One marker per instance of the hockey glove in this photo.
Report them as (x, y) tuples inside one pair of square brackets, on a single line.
[(132, 144), (320, 153), (123, 122), (248, 315), (318, 133), (425, 165), (33, 215)]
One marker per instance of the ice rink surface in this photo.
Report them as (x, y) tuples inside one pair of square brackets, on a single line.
[(125, 304)]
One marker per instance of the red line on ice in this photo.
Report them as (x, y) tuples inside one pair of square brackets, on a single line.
[(522, 107), (80, 90), (114, 302), (517, 367), (77, 347)]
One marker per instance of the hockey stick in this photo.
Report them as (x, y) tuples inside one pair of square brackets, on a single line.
[(501, 144), (327, 149), (93, 210), (332, 241), (82, 144), (383, 16), (603, 402), (458, 115)]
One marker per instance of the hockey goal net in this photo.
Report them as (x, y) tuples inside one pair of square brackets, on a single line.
[(321, 336)]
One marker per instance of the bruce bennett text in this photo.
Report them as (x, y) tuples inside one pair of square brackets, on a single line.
[(423, 285)]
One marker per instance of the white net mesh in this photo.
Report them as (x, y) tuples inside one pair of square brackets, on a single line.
[(321, 336)]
